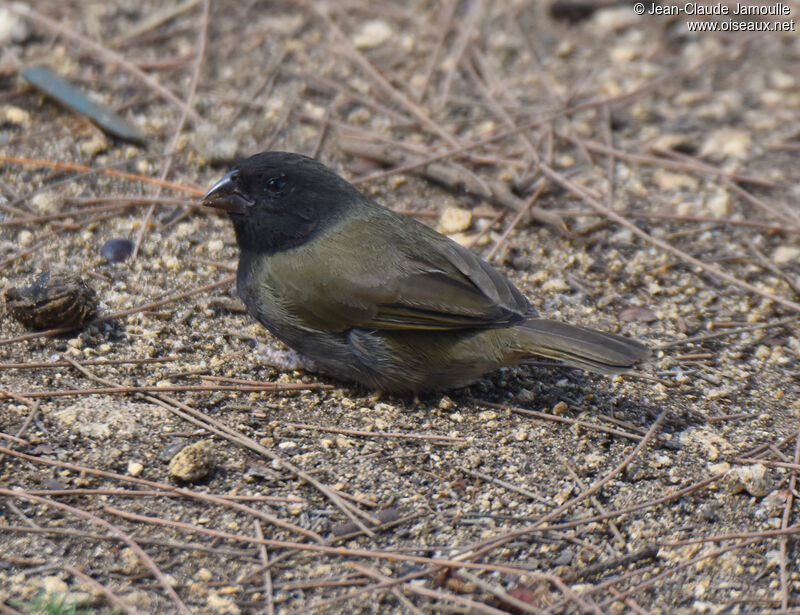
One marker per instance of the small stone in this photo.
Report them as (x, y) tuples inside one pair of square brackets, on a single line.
[(719, 468), (223, 606), (624, 53), (446, 404), (46, 202), (193, 462), (129, 562), (204, 575), (25, 238), (454, 220), (754, 479), (53, 585), (135, 468), (637, 314), (785, 254), (521, 434), (343, 443), (667, 181), (9, 114), (564, 48), (782, 80), (214, 246), (560, 408), (565, 161), (468, 239), (710, 511), (139, 599), (726, 142), (719, 203), (373, 34), (96, 145), (13, 28), (555, 285), (669, 141), (117, 250)]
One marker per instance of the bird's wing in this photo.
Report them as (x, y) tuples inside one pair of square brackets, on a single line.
[(380, 275)]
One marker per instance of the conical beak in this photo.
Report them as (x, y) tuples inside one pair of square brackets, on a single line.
[(225, 195)]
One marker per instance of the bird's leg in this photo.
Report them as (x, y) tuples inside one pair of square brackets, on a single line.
[(286, 360)]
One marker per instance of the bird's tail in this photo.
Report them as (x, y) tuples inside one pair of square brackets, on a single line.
[(589, 349)]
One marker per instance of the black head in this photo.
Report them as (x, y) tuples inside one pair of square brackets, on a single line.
[(279, 200)]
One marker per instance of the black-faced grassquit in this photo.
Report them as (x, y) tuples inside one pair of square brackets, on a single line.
[(378, 298)]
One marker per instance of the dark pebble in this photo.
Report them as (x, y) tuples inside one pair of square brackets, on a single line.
[(117, 250)]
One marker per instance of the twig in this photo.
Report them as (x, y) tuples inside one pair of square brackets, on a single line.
[(787, 512), (499, 592), (123, 390), (269, 599), (153, 21), (595, 502), (503, 483), (563, 419), (164, 494), (160, 542), (55, 364), (71, 166), (728, 332), (200, 55)]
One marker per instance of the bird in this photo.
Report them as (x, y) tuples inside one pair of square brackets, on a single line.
[(380, 299)]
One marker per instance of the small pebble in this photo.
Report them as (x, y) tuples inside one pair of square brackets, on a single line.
[(25, 238), (14, 115), (667, 180), (785, 254), (117, 250), (755, 480), (13, 28), (45, 202), (373, 34), (726, 142), (455, 220), (135, 468), (637, 314), (193, 462)]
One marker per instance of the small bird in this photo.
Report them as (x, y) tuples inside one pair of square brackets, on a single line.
[(378, 298)]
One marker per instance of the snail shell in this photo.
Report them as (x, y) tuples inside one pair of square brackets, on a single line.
[(53, 301)]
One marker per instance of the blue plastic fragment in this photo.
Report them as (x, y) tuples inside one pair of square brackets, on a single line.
[(73, 98)]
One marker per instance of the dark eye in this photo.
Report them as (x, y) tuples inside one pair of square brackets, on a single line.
[(276, 185)]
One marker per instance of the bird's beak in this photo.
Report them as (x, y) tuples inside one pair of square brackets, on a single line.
[(225, 195)]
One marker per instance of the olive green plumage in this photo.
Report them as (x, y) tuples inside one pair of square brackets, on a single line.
[(378, 298)]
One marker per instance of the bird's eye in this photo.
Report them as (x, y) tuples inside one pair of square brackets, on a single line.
[(276, 185)]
